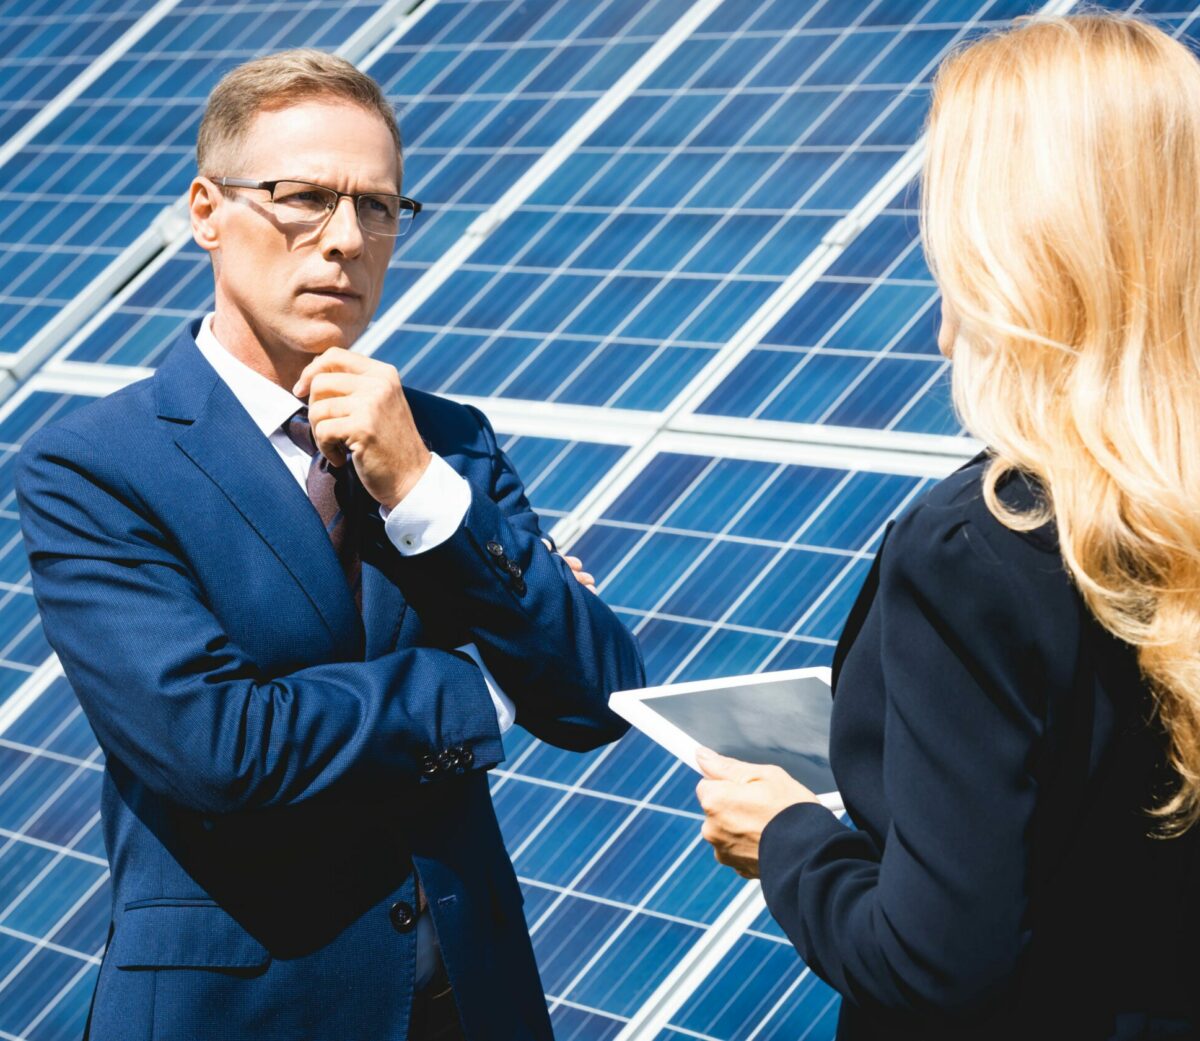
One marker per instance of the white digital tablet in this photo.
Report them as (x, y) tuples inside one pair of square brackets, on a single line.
[(780, 718)]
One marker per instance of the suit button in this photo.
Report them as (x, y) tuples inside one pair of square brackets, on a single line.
[(514, 568), (495, 549), (465, 758), (429, 765), (447, 761), (403, 917), (519, 586)]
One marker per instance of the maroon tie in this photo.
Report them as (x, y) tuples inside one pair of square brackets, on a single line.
[(330, 490)]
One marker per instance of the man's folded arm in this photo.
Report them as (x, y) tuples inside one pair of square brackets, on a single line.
[(554, 646), (177, 701)]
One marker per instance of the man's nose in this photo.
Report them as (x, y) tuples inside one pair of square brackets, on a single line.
[(342, 233)]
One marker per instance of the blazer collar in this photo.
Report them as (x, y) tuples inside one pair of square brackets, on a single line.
[(219, 436)]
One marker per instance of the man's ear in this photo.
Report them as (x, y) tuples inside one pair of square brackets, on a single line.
[(204, 198)]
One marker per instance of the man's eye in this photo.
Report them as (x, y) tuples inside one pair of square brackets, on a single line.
[(378, 207), (306, 197)]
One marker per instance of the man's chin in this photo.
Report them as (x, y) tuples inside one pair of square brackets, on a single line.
[(315, 335)]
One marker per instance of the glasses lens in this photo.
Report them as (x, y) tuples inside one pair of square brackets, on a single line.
[(299, 203), (384, 214)]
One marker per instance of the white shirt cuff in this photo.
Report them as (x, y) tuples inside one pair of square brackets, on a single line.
[(431, 512), (506, 712)]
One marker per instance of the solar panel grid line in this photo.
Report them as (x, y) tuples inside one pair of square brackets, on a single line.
[(47, 753), (833, 246), (54, 847), (844, 574), (12, 708), (95, 69), (68, 780), (766, 174), (50, 1005), (533, 178), (570, 889), (70, 952), (393, 19), (896, 442), (592, 237), (41, 942), (804, 356), (708, 952), (511, 771), (621, 905), (698, 560), (169, 223)]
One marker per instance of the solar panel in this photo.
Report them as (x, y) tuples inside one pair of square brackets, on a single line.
[(858, 348), (47, 44), (631, 266)]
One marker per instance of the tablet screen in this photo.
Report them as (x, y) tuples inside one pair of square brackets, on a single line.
[(784, 722)]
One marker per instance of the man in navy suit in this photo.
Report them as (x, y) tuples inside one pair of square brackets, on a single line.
[(299, 603)]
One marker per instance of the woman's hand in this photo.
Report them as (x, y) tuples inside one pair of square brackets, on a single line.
[(739, 799)]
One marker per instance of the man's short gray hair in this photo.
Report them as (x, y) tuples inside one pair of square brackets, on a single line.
[(274, 82)]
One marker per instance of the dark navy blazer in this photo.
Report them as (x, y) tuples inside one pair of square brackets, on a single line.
[(276, 765), (992, 746)]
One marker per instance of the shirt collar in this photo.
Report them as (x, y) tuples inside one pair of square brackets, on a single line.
[(269, 405)]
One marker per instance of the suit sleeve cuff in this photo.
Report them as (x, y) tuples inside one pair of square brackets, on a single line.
[(431, 512), (792, 836)]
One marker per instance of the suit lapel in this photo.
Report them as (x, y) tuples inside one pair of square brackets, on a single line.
[(218, 435)]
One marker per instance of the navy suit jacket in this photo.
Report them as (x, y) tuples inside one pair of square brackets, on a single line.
[(276, 765), (992, 745)]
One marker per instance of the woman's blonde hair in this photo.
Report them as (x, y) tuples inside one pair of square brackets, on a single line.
[(1061, 218)]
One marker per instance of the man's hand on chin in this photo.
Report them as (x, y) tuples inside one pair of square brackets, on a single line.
[(357, 407)]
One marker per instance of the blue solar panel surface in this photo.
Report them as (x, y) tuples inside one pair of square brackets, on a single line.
[(47, 44), (858, 348), (633, 265)]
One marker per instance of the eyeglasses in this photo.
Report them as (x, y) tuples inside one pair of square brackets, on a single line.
[(301, 202)]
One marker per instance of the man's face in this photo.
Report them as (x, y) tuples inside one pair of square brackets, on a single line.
[(299, 289)]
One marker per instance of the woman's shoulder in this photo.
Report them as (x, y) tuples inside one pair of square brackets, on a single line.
[(997, 594), (955, 507)]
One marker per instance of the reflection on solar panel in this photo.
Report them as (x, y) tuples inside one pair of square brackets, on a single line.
[(648, 227)]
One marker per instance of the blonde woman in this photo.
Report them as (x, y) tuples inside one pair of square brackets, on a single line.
[(1016, 725)]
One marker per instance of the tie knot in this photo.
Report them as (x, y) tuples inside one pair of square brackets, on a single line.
[(300, 431)]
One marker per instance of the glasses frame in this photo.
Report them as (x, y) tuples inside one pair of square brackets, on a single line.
[(404, 201)]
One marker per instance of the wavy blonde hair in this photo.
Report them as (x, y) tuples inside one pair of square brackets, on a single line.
[(1061, 219)]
